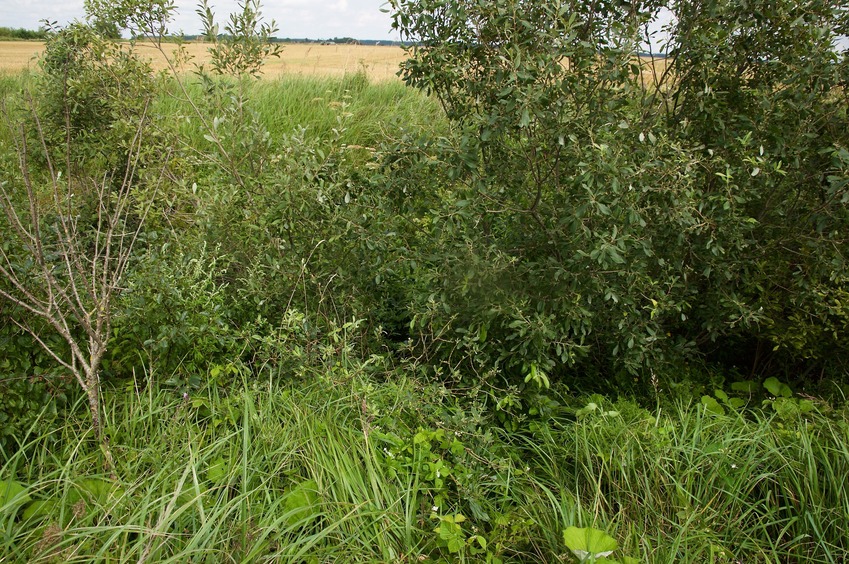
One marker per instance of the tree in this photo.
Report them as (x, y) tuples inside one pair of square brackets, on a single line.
[(76, 204), (599, 213), (66, 264), (91, 162)]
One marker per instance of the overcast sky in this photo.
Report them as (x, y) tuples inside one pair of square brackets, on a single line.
[(314, 19)]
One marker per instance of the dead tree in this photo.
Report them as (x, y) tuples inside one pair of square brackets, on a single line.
[(64, 261)]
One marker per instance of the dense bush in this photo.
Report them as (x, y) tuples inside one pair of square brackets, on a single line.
[(32, 392), (90, 96), (596, 213)]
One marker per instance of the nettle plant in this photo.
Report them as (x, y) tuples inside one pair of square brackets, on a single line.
[(593, 211), (593, 545)]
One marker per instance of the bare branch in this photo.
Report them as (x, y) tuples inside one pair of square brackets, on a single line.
[(73, 267), (47, 348)]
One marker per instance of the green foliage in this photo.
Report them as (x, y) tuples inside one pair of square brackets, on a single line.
[(304, 468), (173, 307), (245, 43), (301, 503), (590, 215), (76, 199), (28, 401), (437, 461), (451, 536), (33, 394), (775, 396), (143, 18), (588, 543), (91, 97), (349, 330), (12, 494), (7, 33), (771, 121)]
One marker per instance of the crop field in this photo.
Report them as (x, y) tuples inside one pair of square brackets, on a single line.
[(379, 62)]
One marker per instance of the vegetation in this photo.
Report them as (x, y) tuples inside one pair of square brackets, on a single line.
[(704, 208), (10, 33), (554, 303), (349, 470)]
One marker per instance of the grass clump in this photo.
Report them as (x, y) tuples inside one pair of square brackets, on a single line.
[(357, 470)]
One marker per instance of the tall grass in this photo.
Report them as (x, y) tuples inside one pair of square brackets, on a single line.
[(691, 486), (289, 474), (360, 112), (318, 104), (207, 478)]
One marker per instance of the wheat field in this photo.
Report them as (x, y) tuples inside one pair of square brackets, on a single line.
[(379, 62)]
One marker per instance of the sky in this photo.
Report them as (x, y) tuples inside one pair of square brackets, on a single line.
[(313, 19)]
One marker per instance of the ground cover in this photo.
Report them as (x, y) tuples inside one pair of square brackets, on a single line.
[(356, 470)]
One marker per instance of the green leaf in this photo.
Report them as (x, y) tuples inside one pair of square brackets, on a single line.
[(302, 502), (589, 542), (589, 408), (455, 544), (217, 471), (97, 491), (736, 403), (806, 406), (39, 508), (746, 386), (777, 388), (97, 488), (13, 493), (712, 405)]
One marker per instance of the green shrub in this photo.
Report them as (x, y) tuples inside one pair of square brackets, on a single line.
[(32, 395), (92, 94), (588, 217), (171, 318)]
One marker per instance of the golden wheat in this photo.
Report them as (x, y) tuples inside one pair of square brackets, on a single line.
[(379, 62)]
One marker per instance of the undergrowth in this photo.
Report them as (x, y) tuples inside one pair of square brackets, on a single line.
[(349, 469)]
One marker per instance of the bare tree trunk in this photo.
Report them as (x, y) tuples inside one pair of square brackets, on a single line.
[(71, 274)]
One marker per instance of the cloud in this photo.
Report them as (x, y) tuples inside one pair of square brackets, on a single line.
[(295, 18), (30, 13)]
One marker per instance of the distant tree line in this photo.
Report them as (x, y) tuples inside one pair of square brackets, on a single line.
[(345, 41), (21, 33), (334, 40), (110, 30)]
